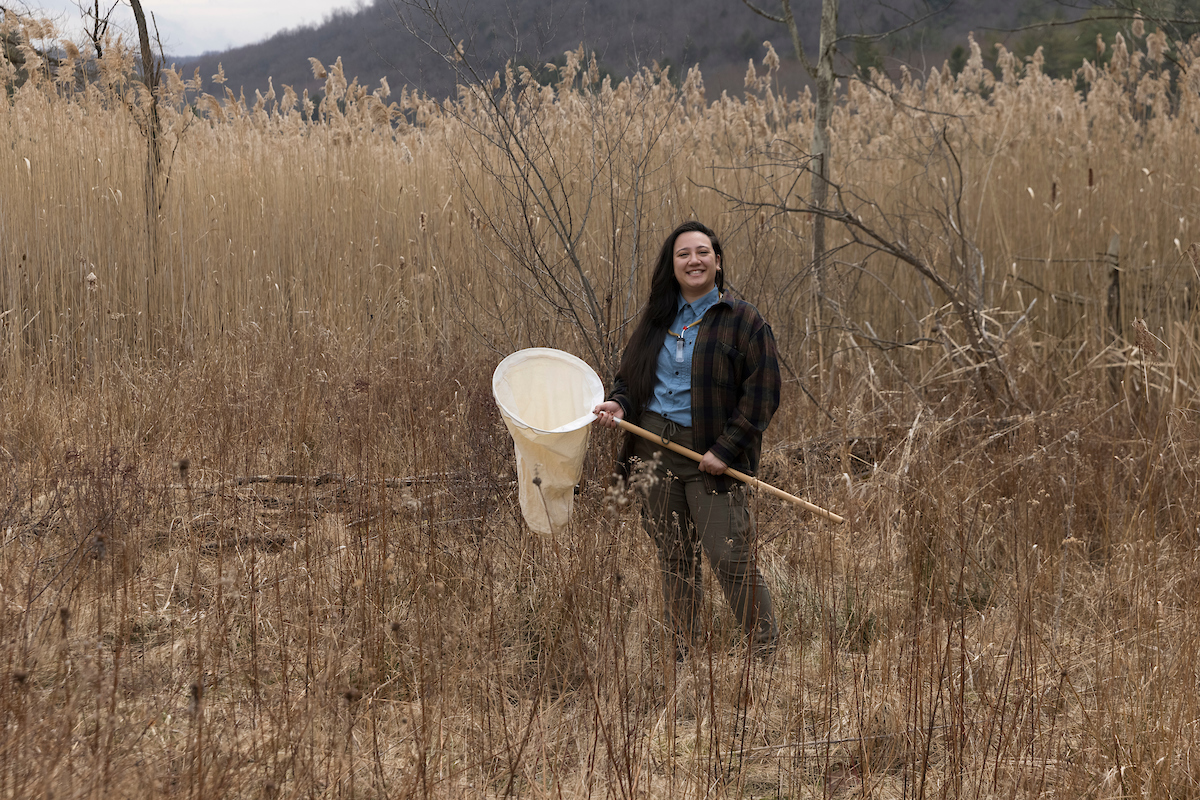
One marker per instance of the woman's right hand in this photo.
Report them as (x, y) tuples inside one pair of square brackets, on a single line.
[(608, 412)]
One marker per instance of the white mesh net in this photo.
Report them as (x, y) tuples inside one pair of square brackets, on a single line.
[(546, 398)]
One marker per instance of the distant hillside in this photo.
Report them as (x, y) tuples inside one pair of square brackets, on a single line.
[(720, 35)]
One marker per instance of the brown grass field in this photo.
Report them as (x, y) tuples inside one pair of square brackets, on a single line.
[(260, 532)]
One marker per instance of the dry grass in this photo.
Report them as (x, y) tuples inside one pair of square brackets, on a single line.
[(1010, 610)]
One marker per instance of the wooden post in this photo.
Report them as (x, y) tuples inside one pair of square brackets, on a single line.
[(1112, 306)]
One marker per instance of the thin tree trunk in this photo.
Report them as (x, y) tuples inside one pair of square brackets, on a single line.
[(152, 131), (820, 142)]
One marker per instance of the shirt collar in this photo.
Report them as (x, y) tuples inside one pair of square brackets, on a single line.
[(703, 304)]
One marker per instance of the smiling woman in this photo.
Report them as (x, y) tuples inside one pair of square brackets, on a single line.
[(701, 371)]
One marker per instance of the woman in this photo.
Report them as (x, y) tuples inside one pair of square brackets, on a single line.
[(701, 370)]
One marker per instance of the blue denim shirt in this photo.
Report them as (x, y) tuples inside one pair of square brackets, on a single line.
[(673, 375)]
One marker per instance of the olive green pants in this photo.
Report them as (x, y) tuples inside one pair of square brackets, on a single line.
[(683, 517)]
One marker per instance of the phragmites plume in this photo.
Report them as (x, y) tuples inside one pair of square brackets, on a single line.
[(318, 69), (212, 107), (693, 88), (172, 84), (289, 99), (335, 84), (1145, 340), (380, 113), (1089, 72), (771, 59), (33, 60), (1139, 27), (1120, 57), (1156, 46), (38, 28), (220, 76)]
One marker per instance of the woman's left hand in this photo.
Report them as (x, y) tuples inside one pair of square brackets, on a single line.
[(711, 464)]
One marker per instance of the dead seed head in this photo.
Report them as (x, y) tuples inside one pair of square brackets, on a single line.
[(1145, 340), (195, 695)]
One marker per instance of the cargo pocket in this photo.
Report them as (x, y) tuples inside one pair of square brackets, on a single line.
[(741, 523)]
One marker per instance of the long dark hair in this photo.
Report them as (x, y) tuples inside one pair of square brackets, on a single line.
[(639, 362)]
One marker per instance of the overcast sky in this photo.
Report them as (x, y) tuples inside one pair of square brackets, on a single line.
[(191, 27)]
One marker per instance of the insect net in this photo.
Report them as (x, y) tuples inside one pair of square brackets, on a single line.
[(546, 397)]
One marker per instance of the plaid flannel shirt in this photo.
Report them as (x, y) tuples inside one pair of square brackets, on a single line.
[(735, 388)]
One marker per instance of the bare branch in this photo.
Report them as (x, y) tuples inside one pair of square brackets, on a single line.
[(913, 240), (762, 13), (524, 163), (877, 37)]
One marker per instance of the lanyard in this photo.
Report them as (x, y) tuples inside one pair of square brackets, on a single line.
[(679, 339)]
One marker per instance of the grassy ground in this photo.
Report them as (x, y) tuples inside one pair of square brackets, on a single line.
[(1008, 611)]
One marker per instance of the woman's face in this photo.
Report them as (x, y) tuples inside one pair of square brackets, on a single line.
[(696, 265)]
